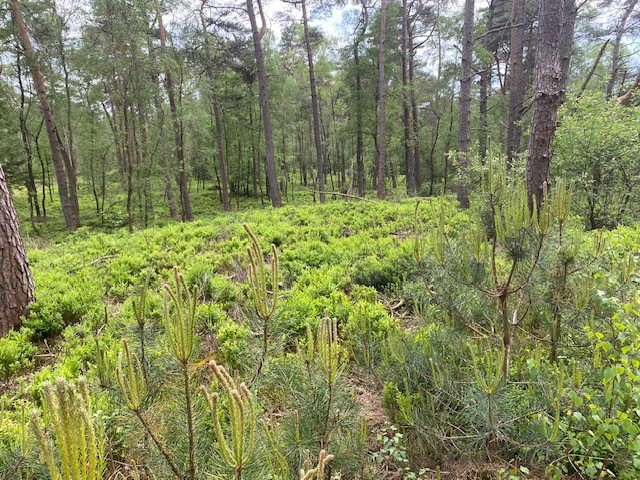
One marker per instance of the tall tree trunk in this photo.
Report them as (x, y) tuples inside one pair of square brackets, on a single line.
[(359, 102), (222, 166), (16, 282), (464, 115), (485, 85), (516, 80), (414, 113), (65, 173), (615, 59), (555, 39), (183, 181), (409, 161), (272, 172), (382, 102), (317, 133)]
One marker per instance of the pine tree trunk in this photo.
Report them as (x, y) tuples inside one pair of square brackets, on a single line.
[(464, 115), (615, 59), (485, 86), (555, 39), (16, 282), (382, 102), (272, 174), (65, 173), (183, 182), (516, 80), (407, 118)]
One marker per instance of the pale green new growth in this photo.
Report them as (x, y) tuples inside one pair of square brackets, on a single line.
[(77, 450), (179, 315), (258, 277), (317, 472), (131, 378), (242, 419)]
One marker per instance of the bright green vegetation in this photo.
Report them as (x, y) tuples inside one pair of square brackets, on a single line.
[(350, 340)]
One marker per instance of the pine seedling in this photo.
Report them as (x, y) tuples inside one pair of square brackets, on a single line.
[(329, 351), (179, 315), (264, 303), (237, 450), (76, 451), (318, 471), (133, 387), (276, 460)]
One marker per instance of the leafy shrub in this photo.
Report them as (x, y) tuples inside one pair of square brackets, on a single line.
[(16, 353), (234, 340)]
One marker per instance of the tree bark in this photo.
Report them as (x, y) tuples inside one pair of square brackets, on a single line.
[(516, 80), (183, 181), (407, 118), (224, 177), (615, 59), (317, 134), (555, 39), (464, 112), (16, 282), (272, 173), (382, 102), (65, 173), (485, 85)]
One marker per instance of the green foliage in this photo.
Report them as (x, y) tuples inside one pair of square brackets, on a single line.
[(77, 451), (16, 353), (596, 146)]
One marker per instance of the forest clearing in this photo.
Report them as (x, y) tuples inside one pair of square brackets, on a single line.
[(299, 240)]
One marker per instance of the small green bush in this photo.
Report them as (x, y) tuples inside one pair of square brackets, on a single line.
[(16, 353)]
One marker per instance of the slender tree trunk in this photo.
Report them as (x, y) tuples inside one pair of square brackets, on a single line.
[(485, 85), (414, 113), (555, 39), (382, 101), (317, 133), (272, 172), (65, 174), (516, 80), (16, 282), (222, 166), (464, 115), (409, 161), (615, 59), (183, 181), (359, 103)]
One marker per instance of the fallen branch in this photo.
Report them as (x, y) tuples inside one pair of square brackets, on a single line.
[(97, 260)]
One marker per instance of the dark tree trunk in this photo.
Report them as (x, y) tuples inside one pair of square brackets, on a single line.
[(555, 39), (359, 103), (222, 166), (615, 59), (65, 173), (317, 132), (409, 152), (272, 173), (464, 115), (183, 181), (485, 85), (382, 102), (16, 282), (414, 113), (516, 80)]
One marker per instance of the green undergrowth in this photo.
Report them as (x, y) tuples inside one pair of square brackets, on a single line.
[(336, 308)]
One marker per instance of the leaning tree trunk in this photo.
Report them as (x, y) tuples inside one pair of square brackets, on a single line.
[(555, 39), (464, 113), (16, 282), (65, 172), (615, 59)]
